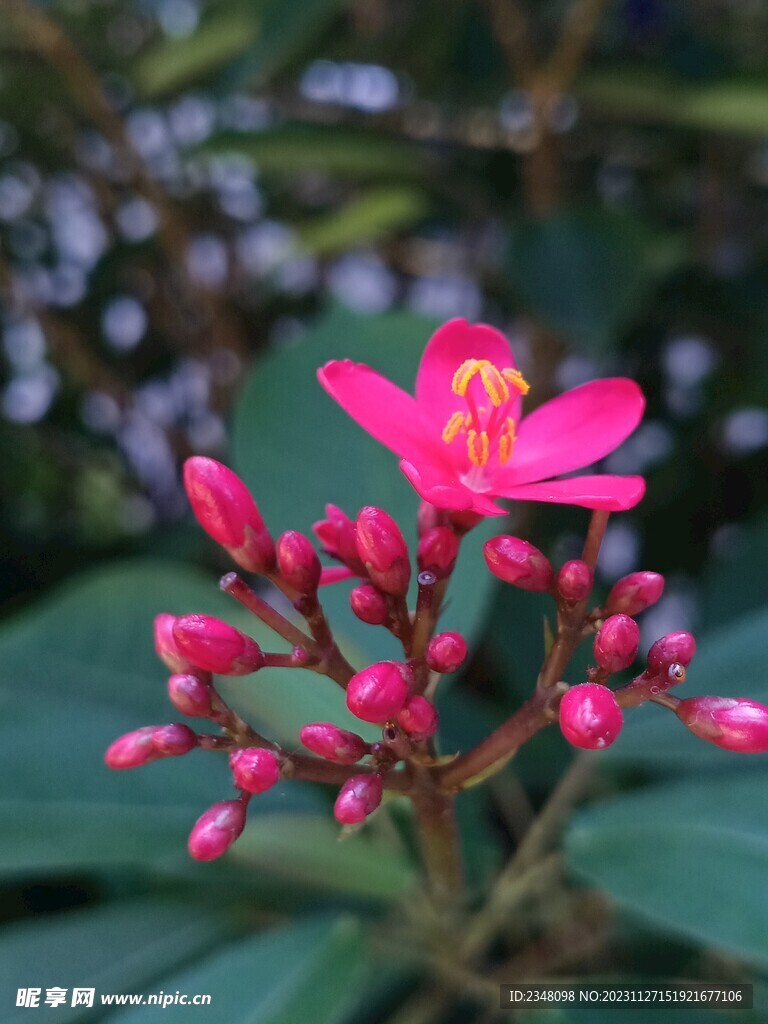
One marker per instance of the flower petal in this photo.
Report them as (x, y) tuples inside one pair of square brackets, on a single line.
[(446, 350), (442, 488), (610, 493), (574, 430), (331, 574), (387, 412)]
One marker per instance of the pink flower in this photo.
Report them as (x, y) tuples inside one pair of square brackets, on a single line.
[(462, 442)]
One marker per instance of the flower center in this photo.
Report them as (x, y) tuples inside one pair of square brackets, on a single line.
[(488, 429)]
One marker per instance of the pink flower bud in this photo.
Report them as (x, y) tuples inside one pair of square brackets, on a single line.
[(358, 797), (173, 740), (429, 516), (217, 829), (378, 692), (517, 562), (590, 716), (437, 551), (338, 536), (334, 744), (418, 717), (369, 604), (190, 695), (574, 581), (166, 647), (298, 562), (636, 592), (133, 750), (674, 648), (254, 769), (383, 550), (216, 646), (733, 723), (616, 643), (446, 652), (225, 509)]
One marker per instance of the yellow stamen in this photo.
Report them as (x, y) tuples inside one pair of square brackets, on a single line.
[(477, 447), (507, 442), (468, 369), (494, 384), (454, 425), (517, 380)]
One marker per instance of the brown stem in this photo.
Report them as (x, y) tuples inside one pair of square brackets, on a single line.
[(438, 839), (233, 584), (333, 663), (500, 745), (539, 709), (315, 769)]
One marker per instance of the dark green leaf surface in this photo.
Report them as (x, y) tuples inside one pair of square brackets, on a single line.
[(585, 273), (309, 970), (120, 947), (689, 856)]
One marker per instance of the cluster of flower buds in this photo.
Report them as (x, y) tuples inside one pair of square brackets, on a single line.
[(591, 713), (397, 695), (389, 694)]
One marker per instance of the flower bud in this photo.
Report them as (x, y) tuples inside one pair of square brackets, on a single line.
[(225, 509), (166, 646), (173, 740), (383, 550), (437, 551), (616, 643), (733, 723), (378, 692), (217, 829), (517, 562), (190, 695), (465, 520), (254, 769), (334, 744), (133, 750), (216, 646), (590, 716), (298, 562), (446, 652), (369, 604), (574, 581), (429, 516), (418, 717), (674, 648), (636, 592), (338, 536), (358, 797)]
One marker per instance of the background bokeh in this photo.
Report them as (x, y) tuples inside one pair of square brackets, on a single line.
[(201, 202)]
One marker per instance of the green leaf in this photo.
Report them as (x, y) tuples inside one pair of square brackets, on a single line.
[(308, 970), (287, 31), (735, 584), (119, 947), (689, 856), (730, 662), (174, 63), (310, 850), (738, 106), (586, 273), (345, 153), (298, 450), (374, 215), (85, 662)]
